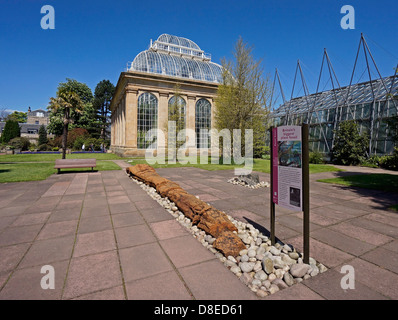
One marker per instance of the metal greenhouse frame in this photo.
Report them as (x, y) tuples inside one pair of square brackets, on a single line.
[(370, 103)]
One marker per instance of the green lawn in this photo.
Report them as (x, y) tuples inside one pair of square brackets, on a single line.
[(30, 167), (51, 157), (394, 207), (17, 172), (260, 165), (377, 181)]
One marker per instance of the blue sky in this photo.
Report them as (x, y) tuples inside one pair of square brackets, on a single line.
[(94, 40)]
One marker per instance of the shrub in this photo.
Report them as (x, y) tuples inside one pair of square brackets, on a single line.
[(390, 162), (95, 143), (55, 142), (20, 143), (76, 133), (77, 145), (42, 135), (11, 130), (260, 151), (350, 146), (372, 162), (316, 157), (44, 147)]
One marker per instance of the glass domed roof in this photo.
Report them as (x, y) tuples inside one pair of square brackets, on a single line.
[(177, 57), (183, 42)]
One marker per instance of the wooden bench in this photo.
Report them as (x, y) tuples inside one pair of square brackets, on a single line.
[(74, 163)]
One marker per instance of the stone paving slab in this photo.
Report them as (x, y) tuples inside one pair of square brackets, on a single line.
[(107, 239)]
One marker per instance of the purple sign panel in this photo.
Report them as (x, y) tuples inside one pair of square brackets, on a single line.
[(287, 167)]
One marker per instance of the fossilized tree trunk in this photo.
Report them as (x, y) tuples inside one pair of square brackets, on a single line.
[(207, 218)]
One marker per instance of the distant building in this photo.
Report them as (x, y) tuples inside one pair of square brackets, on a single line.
[(38, 116), (30, 129)]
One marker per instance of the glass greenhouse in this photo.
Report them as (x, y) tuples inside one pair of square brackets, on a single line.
[(178, 57), (370, 104)]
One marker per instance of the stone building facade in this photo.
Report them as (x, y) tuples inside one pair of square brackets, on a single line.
[(172, 69), (38, 117)]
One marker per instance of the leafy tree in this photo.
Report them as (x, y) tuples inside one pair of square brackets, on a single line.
[(176, 113), (18, 116), (68, 102), (81, 89), (350, 146), (103, 94), (85, 117), (392, 123), (88, 120), (241, 101), (42, 135), (20, 143), (11, 130), (4, 114), (75, 134)]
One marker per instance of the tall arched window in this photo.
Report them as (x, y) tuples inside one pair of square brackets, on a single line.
[(177, 111), (203, 123), (147, 119)]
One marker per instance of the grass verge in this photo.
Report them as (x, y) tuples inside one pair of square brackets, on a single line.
[(375, 181), (394, 207), (17, 172), (31, 167), (260, 165), (52, 157)]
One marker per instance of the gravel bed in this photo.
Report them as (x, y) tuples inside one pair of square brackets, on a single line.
[(237, 181), (264, 268)]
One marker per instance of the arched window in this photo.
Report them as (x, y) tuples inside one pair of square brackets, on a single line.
[(177, 110), (203, 123), (147, 119)]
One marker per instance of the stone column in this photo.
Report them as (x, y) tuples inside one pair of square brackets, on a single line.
[(119, 112), (117, 125), (119, 138), (123, 109), (163, 116), (213, 123), (112, 129), (190, 121), (130, 103)]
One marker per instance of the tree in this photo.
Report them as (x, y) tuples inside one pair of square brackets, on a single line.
[(18, 116), (241, 101), (68, 102), (103, 94), (11, 130), (4, 114), (350, 146), (84, 118), (81, 89), (42, 135), (176, 113)]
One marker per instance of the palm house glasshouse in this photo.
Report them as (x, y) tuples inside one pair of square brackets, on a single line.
[(172, 71)]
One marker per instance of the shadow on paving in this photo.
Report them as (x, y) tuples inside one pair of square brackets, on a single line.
[(376, 199)]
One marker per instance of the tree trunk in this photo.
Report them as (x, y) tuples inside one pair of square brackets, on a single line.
[(65, 133)]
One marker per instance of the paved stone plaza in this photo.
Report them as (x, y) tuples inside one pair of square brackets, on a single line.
[(107, 239)]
